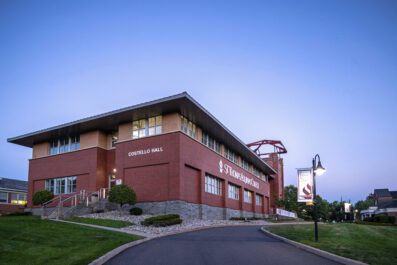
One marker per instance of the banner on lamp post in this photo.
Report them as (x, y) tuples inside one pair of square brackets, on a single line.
[(305, 185)]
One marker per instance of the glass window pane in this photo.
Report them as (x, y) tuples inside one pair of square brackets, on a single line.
[(158, 129), (152, 122), (3, 197), (152, 131), (159, 120)]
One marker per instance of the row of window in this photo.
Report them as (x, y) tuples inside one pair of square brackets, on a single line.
[(15, 198), (64, 185), (213, 185), (64, 145), (147, 127)]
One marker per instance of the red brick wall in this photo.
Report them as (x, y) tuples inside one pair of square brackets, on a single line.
[(82, 163)]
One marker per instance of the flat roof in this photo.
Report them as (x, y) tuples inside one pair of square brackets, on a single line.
[(109, 121)]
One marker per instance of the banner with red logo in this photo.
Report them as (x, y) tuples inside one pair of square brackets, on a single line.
[(305, 185)]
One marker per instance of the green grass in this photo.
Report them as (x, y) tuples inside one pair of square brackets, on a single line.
[(30, 240), (102, 222), (370, 244)]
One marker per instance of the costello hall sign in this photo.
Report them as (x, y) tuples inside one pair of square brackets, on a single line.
[(228, 170), (145, 151)]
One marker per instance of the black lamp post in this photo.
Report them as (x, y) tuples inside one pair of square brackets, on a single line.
[(317, 170)]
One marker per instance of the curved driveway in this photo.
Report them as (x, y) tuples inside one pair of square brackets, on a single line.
[(226, 245)]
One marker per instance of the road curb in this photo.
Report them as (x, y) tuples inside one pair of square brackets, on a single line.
[(315, 251)]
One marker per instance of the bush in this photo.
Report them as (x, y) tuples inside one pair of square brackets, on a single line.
[(42, 196), (384, 219), (20, 214), (162, 220), (368, 219), (168, 222), (136, 211), (122, 194)]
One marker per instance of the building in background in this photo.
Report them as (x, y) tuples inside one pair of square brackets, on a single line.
[(385, 204), (175, 155), (13, 195)]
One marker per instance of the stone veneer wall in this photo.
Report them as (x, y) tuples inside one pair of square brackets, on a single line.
[(192, 210)]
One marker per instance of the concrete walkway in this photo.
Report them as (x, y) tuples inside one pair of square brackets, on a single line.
[(121, 230)]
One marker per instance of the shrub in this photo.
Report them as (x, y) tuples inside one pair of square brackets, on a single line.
[(368, 219), (168, 222), (384, 219), (122, 194), (41, 197), (162, 220), (136, 211)]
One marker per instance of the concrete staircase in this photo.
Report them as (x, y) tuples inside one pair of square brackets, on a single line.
[(78, 204)]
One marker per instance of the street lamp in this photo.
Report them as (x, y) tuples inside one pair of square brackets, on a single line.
[(318, 169)]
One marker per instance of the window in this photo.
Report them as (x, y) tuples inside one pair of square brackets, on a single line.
[(74, 143), (114, 139), (259, 200), (213, 185), (230, 155), (247, 196), (54, 147), (61, 185), (146, 127), (255, 171), (155, 125), (18, 198), (64, 145), (188, 127), (234, 192), (244, 164), (3, 197), (211, 143)]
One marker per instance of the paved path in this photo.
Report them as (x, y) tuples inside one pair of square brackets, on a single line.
[(227, 245)]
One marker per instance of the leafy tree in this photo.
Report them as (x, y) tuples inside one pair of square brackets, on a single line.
[(122, 194), (42, 196), (363, 205)]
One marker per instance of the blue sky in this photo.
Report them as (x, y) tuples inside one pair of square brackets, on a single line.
[(319, 75)]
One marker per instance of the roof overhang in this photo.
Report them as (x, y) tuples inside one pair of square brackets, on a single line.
[(109, 121)]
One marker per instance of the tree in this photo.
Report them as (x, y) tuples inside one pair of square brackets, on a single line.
[(363, 205), (41, 197), (122, 194)]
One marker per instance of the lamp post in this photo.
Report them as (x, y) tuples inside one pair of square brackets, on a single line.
[(317, 170)]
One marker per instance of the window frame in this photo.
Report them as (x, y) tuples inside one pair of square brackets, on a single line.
[(213, 185), (233, 191)]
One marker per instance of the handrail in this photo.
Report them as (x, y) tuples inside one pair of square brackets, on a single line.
[(83, 197)]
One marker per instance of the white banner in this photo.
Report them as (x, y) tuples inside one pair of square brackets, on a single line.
[(305, 185), (283, 212)]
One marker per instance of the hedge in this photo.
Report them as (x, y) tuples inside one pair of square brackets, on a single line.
[(381, 219), (162, 220)]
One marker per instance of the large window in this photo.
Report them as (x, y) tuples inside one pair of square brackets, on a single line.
[(63, 185), (188, 127), (234, 192), (230, 155), (3, 197), (259, 200), (64, 145), (211, 143), (213, 185), (18, 198), (147, 127), (247, 196), (244, 164)]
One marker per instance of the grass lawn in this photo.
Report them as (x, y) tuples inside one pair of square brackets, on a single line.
[(30, 240), (102, 222), (367, 243)]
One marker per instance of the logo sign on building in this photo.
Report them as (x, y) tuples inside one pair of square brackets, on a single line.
[(119, 182), (228, 170), (305, 185)]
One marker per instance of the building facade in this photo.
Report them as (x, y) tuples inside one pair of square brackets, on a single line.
[(175, 155), (13, 195)]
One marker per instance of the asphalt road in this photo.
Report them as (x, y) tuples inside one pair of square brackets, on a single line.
[(227, 245)]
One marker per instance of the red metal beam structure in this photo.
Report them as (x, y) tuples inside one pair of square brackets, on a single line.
[(279, 148)]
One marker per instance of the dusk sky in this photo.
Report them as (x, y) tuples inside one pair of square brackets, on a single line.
[(321, 76)]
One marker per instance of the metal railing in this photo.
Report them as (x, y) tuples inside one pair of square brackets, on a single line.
[(84, 198)]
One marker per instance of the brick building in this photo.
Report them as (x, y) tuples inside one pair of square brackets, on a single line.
[(175, 155)]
